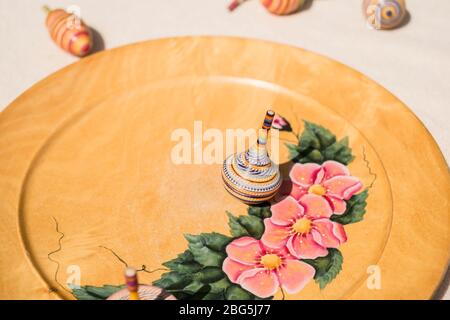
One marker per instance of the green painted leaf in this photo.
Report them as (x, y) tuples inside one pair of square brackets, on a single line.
[(196, 287), (218, 289), (184, 257), (318, 144), (327, 268), (214, 296), (261, 211), (95, 293), (237, 230), (356, 208), (253, 225), (188, 267), (317, 136), (294, 151), (216, 241), (235, 292), (247, 225), (206, 256), (220, 285), (173, 280), (209, 274), (183, 263), (339, 151)]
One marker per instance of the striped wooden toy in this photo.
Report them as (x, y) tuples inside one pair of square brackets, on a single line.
[(69, 32), (132, 283), (282, 7), (251, 176)]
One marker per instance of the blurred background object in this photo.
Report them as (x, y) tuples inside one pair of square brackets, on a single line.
[(68, 31), (277, 7), (385, 14)]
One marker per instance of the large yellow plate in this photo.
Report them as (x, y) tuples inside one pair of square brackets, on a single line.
[(87, 183)]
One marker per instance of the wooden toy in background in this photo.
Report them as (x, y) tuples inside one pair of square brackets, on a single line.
[(278, 7), (282, 7), (234, 4), (251, 176), (69, 32), (384, 14)]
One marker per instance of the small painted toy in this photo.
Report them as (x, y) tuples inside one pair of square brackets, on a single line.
[(278, 7), (69, 32), (251, 176), (234, 4), (384, 14), (132, 283), (282, 7)]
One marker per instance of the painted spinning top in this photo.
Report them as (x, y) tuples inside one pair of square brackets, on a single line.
[(278, 7), (251, 176), (384, 14), (69, 32), (282, 7)]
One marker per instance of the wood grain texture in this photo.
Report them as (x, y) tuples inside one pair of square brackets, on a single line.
[(85, 170)]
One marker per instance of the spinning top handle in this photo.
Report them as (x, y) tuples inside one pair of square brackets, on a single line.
[(132, 283), (267, 124)]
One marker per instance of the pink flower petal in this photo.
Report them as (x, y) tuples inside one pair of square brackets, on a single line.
[(295, 275), (334, 168), (323, 233), (339, 232), (316, 206), (342, 187), (291, 189), (260, 282), (274, 236), (285, 211), (305, 175), (234, 269), (245, 250), (338, 206), (304, 247)]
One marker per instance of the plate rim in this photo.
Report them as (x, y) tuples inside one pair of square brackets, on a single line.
[(10, 112)]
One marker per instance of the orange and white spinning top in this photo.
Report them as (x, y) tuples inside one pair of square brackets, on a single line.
[(69, 32), (278, 7), (282, 7)]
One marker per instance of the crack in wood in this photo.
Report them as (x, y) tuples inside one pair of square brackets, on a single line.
[(49, 256), (143, 267), (373, 174)]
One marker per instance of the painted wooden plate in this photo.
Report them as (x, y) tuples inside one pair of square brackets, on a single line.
[(87, 182)]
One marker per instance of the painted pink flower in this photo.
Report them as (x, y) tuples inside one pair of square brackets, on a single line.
[(331, 180), (262, 271), (304, 227)]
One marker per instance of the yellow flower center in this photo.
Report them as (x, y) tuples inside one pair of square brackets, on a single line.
[(271, 261), (302, 225), (317, 189)]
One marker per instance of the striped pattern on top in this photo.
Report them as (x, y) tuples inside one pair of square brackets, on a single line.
[(69, 32), (282, 7)]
